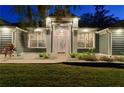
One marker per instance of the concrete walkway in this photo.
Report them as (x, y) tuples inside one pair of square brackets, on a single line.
[(33, 58)]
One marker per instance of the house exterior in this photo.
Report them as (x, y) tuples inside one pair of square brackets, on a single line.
[(111, 41), (11, 34), (62, 35)]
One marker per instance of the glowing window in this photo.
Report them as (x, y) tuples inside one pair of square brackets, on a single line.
[(86, 40), (37, 40)]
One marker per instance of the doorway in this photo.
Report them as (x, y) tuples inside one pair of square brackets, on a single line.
[(62, 38)]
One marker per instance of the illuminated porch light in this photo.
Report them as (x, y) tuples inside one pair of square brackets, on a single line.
[(38, 30), (48, 18), (61, 31), (119, 31), (75, 18), (85, 30), (5, 30)]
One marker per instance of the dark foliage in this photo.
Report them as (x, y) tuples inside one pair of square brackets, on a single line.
[(99, 19)]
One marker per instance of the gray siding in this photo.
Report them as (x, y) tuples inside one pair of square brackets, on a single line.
[(103, 44), (97, 43), (74, 41), (18, 42), (48, 39), (5, 39), (117, 42)]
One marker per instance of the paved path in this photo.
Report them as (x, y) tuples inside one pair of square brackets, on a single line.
[(33, 58)]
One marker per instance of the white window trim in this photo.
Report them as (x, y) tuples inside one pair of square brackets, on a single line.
[(14, 38), (85, 44), (37, 43)]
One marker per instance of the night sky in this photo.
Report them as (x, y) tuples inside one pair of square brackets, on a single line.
[(7, 12)]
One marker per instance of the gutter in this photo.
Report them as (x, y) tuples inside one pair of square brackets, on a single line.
[(21, 29), (104, 31)]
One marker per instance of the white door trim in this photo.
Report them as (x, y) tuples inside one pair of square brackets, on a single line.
[(68, 38)]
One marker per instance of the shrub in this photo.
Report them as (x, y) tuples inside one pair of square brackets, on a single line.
[(80, 56), (92, 51), (86, 56), (44, 55), (122, 53), (91, 58), (121, 59), (105, 58), (73, 55), (41, 54)]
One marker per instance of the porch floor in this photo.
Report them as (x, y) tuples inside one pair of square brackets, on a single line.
[(33, 58)]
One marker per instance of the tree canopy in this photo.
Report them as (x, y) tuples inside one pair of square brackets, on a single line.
[(100, 18)]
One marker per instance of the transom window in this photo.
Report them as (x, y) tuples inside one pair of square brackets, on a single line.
[(86, 40), (37, 40)]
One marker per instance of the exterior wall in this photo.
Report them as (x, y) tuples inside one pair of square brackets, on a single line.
[(97, 43), (117, 42), (18, 42), (110, 44), (103, 43), (20, 39), (49, 46), (24, 42), (5, 38), (11, 35), (74, 43), (95, 40)]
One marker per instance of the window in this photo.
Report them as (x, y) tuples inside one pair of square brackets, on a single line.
[(37, 40), (86, 40)]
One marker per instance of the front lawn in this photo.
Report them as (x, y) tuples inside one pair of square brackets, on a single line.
[(59, 75)]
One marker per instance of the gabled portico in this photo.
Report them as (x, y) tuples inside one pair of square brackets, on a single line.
[(62, 34)]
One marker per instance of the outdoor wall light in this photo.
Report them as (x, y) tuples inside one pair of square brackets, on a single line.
[(38, 30), (75, 18), (5, 30), (86, 30), (48, 18), (119, 31), (61, 31)]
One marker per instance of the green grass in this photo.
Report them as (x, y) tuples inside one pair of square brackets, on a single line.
[(29, 75)]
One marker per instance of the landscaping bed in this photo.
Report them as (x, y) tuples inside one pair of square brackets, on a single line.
[(92, 56)]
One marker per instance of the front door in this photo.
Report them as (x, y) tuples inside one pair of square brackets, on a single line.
[(61, 39)]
